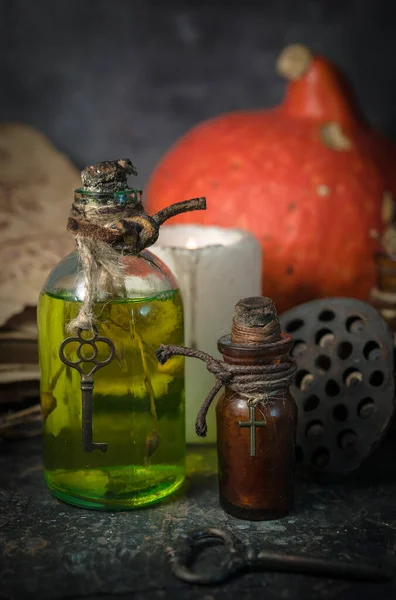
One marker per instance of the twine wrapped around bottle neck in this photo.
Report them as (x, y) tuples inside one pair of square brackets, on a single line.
[(256, 383), (108, 219), (255, 323)]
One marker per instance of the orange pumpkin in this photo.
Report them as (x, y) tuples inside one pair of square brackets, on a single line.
[(309, 178)]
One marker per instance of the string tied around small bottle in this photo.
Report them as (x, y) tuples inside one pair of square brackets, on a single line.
[(255, 383)]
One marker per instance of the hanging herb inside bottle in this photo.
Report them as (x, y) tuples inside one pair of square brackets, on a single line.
[(256, 416), (104, 311)]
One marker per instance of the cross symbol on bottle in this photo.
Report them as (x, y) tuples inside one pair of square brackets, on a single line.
[(252, 424)]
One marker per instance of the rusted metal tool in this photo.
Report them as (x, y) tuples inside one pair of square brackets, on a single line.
[(239, 557)]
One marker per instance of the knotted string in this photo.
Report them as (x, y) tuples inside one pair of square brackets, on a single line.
[(256, 336), (100, 260), (255, 383), (103, 234)]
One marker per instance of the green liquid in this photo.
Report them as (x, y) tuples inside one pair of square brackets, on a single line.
[(138, 404)]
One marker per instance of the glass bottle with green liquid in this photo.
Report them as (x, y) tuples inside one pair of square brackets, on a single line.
[(113, 417)]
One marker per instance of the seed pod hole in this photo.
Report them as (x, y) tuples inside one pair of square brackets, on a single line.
[(311, 403), (354, 324), (326, 315), (344, 350), (366, 408), (299, 348), (372, 351), (340, 412), (376, 378), (352, 377), (323, 363), (332, 388), (348, 441), (315, 430), (320, 458), (324, 338), (304, 380), (294, 325)]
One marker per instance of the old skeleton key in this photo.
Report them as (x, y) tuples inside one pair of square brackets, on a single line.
[(242, 558), (87, 380)]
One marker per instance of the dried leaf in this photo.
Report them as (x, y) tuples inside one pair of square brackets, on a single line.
[(12, 394), (24, 267), (48, 404), (153, 440), (18, 351), (36, 191), (21, 326), (13, 373)]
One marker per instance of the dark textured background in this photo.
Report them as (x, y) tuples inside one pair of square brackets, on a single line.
[(107, 78)]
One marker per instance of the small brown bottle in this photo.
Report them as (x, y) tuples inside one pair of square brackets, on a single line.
[(256, 416), (255, 435)]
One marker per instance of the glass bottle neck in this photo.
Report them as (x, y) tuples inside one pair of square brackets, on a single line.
[(121, 198)]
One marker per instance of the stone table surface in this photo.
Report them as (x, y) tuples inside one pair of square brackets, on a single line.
[(52, 550)]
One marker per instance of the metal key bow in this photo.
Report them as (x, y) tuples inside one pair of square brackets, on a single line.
[(87, 380), (241, 558)]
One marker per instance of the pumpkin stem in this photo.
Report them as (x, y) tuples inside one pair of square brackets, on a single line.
[(316, 89), (294, 61)]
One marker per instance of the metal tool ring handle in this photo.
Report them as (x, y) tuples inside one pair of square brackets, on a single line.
[(91, 339), (109, 343), (180, 557), (70, 363), (92, 358), (91, 342), (81, 341), (253, 402)]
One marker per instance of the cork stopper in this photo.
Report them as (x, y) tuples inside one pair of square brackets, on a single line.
[(255, 322), (108, 176)]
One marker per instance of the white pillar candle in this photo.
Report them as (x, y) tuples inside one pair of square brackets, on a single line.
[(215, 267)]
